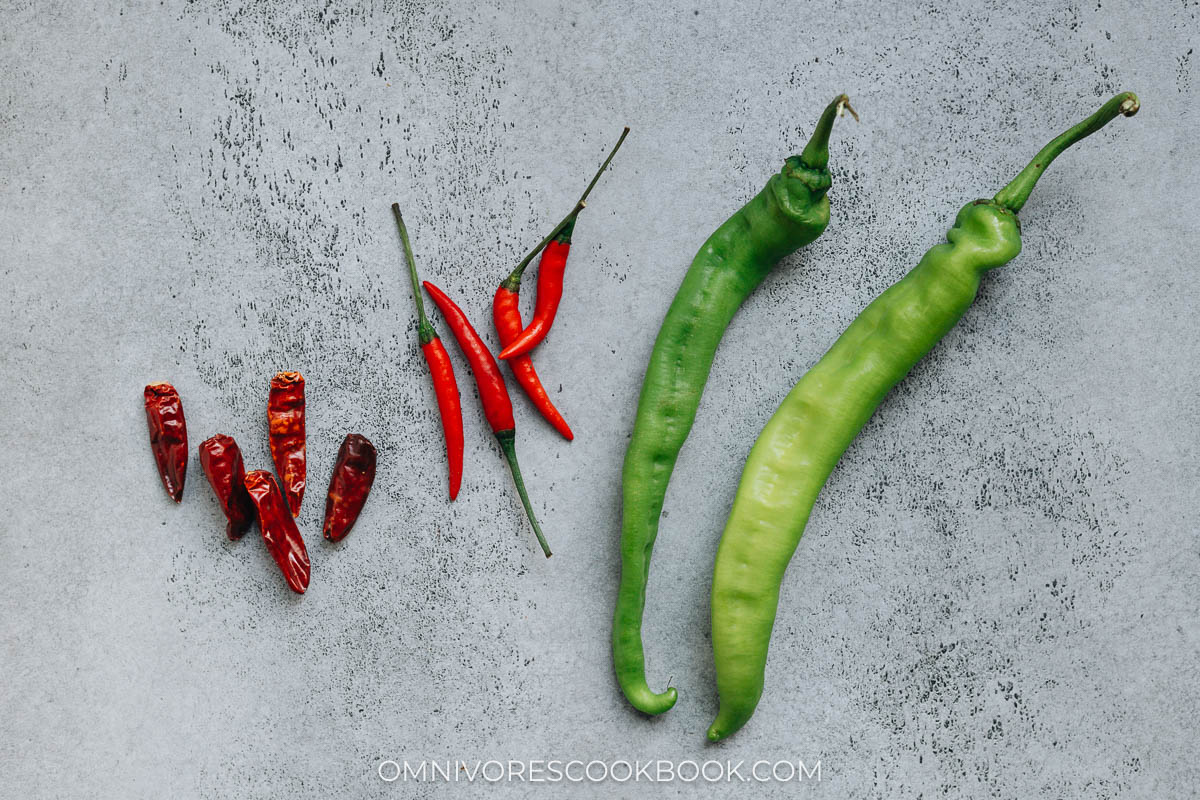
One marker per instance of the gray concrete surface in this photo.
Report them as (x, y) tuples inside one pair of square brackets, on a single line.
[(996, 596)]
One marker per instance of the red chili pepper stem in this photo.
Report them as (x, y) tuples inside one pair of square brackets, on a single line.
[(604, 166), (425, 330), (513, 281), (508, 443), (562, 231)]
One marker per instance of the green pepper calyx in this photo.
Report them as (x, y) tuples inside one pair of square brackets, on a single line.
[(816, 179), (985, 235)]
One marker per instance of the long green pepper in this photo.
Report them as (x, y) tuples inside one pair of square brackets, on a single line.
[(791, 211), (802, 442)]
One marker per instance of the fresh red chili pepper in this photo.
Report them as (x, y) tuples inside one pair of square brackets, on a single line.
[(353, 475), (506, 314), (279, 530), (441, 371), (285, 421), (550, 275), (221, 459), (493, 394), (168, 436)]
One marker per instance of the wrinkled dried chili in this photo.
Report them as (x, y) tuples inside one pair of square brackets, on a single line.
[(279, 531), (493, 394), (168, 436), (352, 477), (285, 420), (221, 459)]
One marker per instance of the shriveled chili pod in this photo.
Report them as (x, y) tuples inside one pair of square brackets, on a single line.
[(279, 531), (221, 460), (168, 436), (285, 421), (441, 371), (493, 394), (353, 475), (551, 269)]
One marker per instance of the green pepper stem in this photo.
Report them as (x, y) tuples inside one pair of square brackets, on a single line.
[(1014, 195), (508, 443), (425, 330), (816, 152), (513, 281), (583, 197)]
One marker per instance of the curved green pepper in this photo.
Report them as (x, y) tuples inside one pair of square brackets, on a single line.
[(791, 211), (802, 442)]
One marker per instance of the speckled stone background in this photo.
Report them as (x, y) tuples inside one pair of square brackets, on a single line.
[(997, 594)]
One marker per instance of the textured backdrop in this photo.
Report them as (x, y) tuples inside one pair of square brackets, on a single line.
[(997, 594)]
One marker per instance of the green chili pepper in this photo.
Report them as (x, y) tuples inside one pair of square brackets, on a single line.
[(802, 442), (791, 211)]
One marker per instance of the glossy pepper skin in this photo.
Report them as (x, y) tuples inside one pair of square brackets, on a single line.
[(221, 460), (551, 269), (353, 476), (802, 442), (445, 390), (506, 316), (279, 531), (791, 211), (441, 371), (168, 436), (285, 420), (493, 395)]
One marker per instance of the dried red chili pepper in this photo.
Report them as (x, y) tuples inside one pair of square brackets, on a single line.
[(493, 394), (353, 475), (285, 421), (168, 436), (221, 459), (551, 268), (279, 530), (441, 371)]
